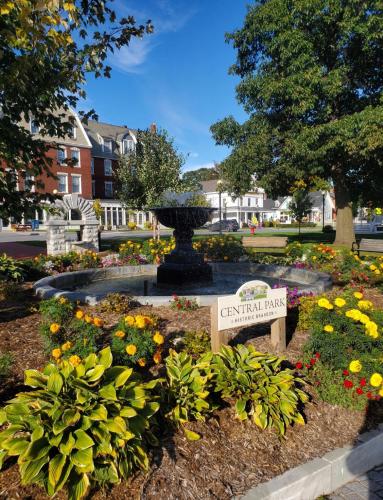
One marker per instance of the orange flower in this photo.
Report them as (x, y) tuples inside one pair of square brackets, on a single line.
[(56, 353), (79, 314), (120, 334), (98, 322), (88, 318), (75, 360), (158, 338), (131, 349), (54, 328), (66, 346), (157, 357), (141, 362)]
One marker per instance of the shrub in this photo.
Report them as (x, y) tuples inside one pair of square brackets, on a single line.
[(6, 361), (132, 225), (346, 331), (295, 250), (328, 229), (196, 342), (136, 342), (155, 250), (11, 290), (117, 303), (10, 269), (306, 308), (259, 386), (220, 248), (83, 425), (148, 225), (189, 389), (67, 331), (183, 303), (89, 260)]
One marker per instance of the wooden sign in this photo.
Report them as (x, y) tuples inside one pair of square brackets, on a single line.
[(255, 302)]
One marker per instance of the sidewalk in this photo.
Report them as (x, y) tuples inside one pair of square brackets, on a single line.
[(366, 487), (21, 250)]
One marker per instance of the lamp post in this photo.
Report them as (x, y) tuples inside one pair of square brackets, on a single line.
[(323, 195), (219, 187)]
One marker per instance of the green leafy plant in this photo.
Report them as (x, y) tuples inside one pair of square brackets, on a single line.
[(80, 426), (189, 389), (10, 270), (183, 303), (196, 342), (220, 248), (6, 361), (259, 386), (117, 303), (11, 290)]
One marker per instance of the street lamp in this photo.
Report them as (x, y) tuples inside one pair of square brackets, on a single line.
[(323, 195), (219, 187)]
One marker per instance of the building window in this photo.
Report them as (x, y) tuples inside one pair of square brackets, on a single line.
[(34, 126), (93, 188), (92, 166), (76, 183), (73, 132), (249, 202), (101, 142), (29, 183), (61, 156), (107, 145), (127, 145), (108, 189), (62, 183), (76, 157), (108, 167)]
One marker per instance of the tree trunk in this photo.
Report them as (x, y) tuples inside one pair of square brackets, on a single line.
[(345, 234), (299, 229)]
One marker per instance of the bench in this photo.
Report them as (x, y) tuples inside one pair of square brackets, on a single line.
[(264, 242), (367, 245)]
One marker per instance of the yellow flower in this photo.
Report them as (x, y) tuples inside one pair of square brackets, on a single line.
[(66, 346), (372, 329), (79, 314), (381, 393), (354, 314), (75, 360), (131, 349), (377, 271), (54, 328), (328, 328), (98, 322), (339, 302), (157, 357), (63, 300), (355, 366), (365, 304), (129, 320), (141, 362), (158, 338), (120, 334), (323, 302), (314, 257), (372, 267), (358, 295), (56, 353), (376, 380), (140, 321), (364, 319), (88, 318)]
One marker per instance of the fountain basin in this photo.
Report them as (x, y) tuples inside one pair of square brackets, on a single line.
[(92, 285)]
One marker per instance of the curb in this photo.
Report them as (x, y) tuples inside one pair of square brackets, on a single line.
[(322, 476)]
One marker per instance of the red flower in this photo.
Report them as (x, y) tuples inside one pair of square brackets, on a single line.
[(362, 382), (346, 372), (359, 391), (348, 384), (307, 365), (377, 397), (369, 395), (313, 361), (317, 355), (179, 305), (299, 365)]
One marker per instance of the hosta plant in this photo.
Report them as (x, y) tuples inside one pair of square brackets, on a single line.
[(261, 389), (82, 425), (189, 389)]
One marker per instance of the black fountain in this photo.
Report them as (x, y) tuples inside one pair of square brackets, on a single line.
[(183, 265)]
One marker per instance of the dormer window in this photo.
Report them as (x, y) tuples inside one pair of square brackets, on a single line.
[(34, 126), (107, 145), (127, 145), (101, 142), (73, 132)]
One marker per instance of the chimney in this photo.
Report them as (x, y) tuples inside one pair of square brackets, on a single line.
[(153, 128)]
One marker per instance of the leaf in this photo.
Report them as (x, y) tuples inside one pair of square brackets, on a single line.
[(34, 378), (99, 413), (83, 440), (240, 406), (83, 458), (95, 373), (37, 449), (78, 485), (67, 446), (105, 357), (30, 469), (128, 412), (16, 446), (191, 435), (55, 383), (55, 469), (108, 392), (123, 377)]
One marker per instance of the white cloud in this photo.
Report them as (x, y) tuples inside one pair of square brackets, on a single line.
[(131, 57)]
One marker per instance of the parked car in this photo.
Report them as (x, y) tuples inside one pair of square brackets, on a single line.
[(230, 225)]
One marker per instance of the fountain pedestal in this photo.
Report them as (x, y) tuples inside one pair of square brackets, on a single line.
[(183, 265)]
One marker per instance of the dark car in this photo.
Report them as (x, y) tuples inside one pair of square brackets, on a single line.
[(230, 225)]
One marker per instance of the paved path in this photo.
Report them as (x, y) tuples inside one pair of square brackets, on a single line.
[(20, 251), (366, 487)]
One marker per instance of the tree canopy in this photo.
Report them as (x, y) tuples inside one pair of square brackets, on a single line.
[(311, 81), (300, 205), (192, 179), (145, 174), (47, 48)]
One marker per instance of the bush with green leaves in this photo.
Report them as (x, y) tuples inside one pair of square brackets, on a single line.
[(80, 426), (261, 389), (68, 331), (223, 248), (196, 342), (189, 389), (6, 361), (10, 269)]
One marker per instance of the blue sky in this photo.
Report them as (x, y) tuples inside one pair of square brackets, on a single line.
[(177, 77)]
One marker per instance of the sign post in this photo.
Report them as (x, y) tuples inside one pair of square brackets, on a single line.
[(255, 302)]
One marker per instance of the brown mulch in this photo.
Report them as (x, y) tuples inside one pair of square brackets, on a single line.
[(230, 457)]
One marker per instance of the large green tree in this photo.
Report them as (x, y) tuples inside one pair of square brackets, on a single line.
[(192, 179), (146, 173), (47, 49), (311, 81)]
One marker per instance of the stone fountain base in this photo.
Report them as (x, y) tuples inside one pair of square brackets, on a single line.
[(182, 269)]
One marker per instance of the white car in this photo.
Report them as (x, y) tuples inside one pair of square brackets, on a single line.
[(376, 224)]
